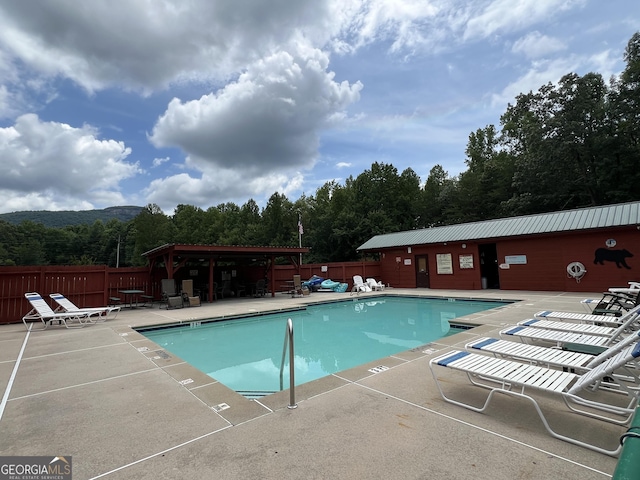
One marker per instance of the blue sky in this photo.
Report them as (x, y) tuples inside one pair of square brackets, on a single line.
[(130, 102)]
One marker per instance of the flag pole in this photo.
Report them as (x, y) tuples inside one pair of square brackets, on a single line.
[(300, 235)]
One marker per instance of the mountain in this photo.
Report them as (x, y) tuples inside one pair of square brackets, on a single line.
[(69, 217)]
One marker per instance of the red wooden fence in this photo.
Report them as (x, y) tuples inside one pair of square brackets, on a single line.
[(91, 286), (338, 272), (86, 286)]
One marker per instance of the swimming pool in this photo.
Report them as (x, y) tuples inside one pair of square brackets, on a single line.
[(245, 354)]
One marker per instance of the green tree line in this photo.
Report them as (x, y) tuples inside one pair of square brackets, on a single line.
[(63, 218), (567, 145)]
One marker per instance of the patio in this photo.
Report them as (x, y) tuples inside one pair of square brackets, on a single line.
[(123, 408)]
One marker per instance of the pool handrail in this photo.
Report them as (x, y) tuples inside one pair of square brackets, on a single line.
[(288, 340)]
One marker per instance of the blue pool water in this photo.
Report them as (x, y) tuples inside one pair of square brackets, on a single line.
[(245, 354)]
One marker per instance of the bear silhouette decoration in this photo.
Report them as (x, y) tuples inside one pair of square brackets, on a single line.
[(618, 256)]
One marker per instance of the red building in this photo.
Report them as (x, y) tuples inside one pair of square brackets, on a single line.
[(587, 249)]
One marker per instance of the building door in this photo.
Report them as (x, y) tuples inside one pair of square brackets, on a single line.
[(489, 265), (422, 271)]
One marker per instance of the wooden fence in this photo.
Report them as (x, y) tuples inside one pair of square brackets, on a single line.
[(93, 285), (338, 272)]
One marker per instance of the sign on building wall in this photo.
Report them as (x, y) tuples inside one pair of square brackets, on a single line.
[(444, 264), (515, 259), (466, 261)]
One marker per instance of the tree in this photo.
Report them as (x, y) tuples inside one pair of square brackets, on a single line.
[(29, 249), (250, 223), (58, 244), (434, 197), (8, 243), (408, 198), (232, 229), (386, 201), (318, 224), (96, 243), (559, 132), (279, 221), (152, 229), (624, 148), (115, 239), (189, 224)]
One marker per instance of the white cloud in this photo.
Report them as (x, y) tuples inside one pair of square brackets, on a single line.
[(21, 93), (269, 119), (535, 45), (505, 16), (147, 44), (12, 100), (40, 201), (256, 107), (59, 166), (159, 161), (218, 186), (399, 21), (538, 75), (144, 45), (604, 63), (544, 71), (5, 102)]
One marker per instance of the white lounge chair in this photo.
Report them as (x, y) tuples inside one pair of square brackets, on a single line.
[(536, 354), (509, 377), (587, 328), (95, 314), (554, 337), (359, 285), (546, 356), (589, 318), (41, 311), (528, 333), (375, 286)]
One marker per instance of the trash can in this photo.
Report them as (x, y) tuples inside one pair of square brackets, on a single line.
[(484, 283)]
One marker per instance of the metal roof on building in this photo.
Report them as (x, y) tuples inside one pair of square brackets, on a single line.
[(619, 215), (220, 251)]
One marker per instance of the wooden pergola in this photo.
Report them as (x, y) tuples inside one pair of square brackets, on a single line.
[(175, 256)]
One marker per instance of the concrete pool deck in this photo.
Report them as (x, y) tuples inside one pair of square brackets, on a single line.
[(124, 408)]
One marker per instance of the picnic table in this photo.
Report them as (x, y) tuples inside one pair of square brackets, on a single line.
[(131, 295)]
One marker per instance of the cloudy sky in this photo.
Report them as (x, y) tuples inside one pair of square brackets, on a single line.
[(201, 102)]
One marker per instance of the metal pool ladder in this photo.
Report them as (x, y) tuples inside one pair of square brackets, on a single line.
[(288, 340)]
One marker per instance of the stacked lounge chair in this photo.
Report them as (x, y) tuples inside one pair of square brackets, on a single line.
[(515, 378), (554, 333), (585, 357)]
